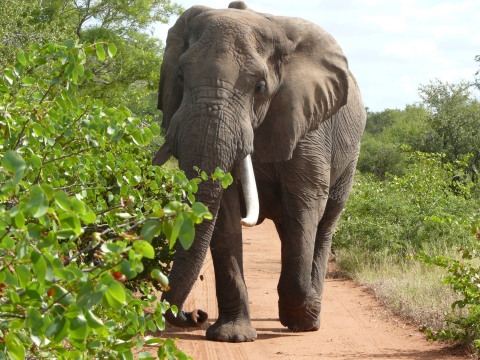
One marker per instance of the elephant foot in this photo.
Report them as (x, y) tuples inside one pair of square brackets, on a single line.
[(305, 317), (231, 331)]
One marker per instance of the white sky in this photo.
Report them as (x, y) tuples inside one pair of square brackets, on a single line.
[(392, 46)]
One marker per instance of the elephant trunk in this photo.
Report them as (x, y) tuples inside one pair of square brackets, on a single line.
[(188, 263), (205, 133)]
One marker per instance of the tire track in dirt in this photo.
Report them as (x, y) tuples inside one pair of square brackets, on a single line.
[(354, 325)]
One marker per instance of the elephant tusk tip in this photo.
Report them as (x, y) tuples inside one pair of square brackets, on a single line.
[(249, 222)]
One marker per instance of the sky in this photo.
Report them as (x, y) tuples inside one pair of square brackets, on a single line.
[(392, 46)]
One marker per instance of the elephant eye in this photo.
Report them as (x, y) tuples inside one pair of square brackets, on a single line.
[(261, 86)]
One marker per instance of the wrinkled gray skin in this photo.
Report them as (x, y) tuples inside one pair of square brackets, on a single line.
[(235, 82)]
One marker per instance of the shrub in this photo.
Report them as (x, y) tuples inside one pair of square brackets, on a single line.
[(408, 213), (80, 204), (464, 278)]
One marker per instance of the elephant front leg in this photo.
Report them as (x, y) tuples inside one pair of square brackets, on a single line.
[(233, 324)]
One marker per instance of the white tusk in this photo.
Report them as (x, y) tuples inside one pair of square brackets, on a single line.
[(250, 193)]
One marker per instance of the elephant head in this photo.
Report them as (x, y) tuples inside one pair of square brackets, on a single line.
[(236, 83)]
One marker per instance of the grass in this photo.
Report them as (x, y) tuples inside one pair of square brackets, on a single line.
[(409, 288)]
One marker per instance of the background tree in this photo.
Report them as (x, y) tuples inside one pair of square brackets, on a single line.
[(132, 74), (385, 133), (453, 119)]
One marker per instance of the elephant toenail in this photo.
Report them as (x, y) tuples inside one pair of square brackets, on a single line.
[(223, 337), (239, 338)]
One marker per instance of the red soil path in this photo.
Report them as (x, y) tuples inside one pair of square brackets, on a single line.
[(353, 325)]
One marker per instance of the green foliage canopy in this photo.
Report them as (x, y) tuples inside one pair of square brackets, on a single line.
[(453, 119), (385, 133), (128, 77)]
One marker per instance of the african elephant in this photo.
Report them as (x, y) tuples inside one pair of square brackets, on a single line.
[(240, 89)]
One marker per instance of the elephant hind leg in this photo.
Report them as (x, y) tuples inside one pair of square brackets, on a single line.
[(326, 227), (299, 303)]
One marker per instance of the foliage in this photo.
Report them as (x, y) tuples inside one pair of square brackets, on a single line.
[(385, 133), (80, 204), (464, 277), (453, 116), (128, 77), (405, 214)]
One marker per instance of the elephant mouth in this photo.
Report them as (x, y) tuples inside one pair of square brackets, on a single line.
[(247, 179)]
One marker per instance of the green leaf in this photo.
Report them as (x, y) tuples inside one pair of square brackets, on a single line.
[(8, 243), (58, 329), (92, 320), (48, 190), (21, 58), (69, 44), (127, 355), (200, 210), (18, 221), (37, 205), (24, 275), (160, 277), (89, 217), (78, 206), (28, 80), (39, 266), (181, 355), (14, 347), (227, 180), (78, 328), (115, 295), (172, 207), (14, 163), (85, 295), (150, 229), (144, 248), (112, 50), (187, 232), (137, 138), (100, 51), (155, 128), (37, 129), (176, 228), (146, 356), (62, 200), (34, 290), (34, 318), (123, 215), (9, 76), (70, 221), (35, 161), (64, 274)]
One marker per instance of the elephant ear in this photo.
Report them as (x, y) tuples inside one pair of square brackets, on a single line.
[(313, 87), (169, 91)]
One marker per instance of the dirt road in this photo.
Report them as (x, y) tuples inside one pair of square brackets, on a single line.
[(353, 323)]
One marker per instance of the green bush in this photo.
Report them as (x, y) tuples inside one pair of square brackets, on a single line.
[(385, 133), (80, 204), (404, 214), (464, 277)]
